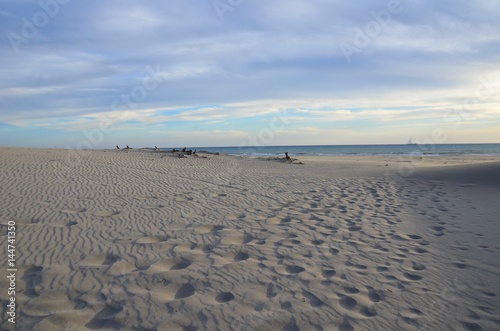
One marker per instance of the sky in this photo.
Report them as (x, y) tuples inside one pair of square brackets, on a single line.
[(94, 74)]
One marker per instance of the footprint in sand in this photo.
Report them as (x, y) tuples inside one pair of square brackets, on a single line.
[(351, 290), (314, 301), (459, 265), (105, 317), (173, 264), (398, 237), (294, 269), (184, 292), (290, 242), (333, 251), (224, 297), (241, 257), (420, 250), (373, 295), (291, 326), (410, 321), (142, 265), (418, 267), (412, 276), (347, 302), (328, 273), (167, 291), (217, 228), (368, 312), (354, 228), (286, 305), (355, 265), (181, 265), (345, 326), (80, 304), (471, 326), (270, 292), (32, 277), (439, 230)]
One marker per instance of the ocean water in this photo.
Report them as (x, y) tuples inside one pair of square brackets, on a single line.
[(429, 150)]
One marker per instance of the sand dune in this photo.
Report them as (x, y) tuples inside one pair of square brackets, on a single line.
[(138, 240)]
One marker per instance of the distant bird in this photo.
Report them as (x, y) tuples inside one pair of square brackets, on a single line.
[(127, 147), (156, 148), (117, 147), (184, 150)]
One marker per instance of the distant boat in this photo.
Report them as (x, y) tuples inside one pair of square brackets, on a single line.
[(411, 142)]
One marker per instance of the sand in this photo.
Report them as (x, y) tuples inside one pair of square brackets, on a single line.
[(141, 240)]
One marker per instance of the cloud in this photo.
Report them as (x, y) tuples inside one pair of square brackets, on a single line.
[(262, 58)]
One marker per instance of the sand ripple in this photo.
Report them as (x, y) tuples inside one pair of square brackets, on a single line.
[(146, 241)]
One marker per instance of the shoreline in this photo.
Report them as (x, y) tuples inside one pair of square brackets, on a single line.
[(413, 154), (466, 158), (138, 239)]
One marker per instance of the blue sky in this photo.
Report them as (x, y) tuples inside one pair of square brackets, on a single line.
[(94, 74)]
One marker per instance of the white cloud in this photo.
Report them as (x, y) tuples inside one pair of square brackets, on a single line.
[(263, 58)]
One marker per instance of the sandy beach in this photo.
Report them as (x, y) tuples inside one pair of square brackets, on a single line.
[(144, 240)]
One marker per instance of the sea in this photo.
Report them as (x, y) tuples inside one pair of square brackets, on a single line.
[(332, 150)]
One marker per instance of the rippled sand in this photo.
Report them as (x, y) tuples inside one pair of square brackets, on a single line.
[(140, 240)]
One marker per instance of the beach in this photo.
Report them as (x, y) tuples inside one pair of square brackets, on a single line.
[(143, 240)]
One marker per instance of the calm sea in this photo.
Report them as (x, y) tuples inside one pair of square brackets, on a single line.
[(436, 150)]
